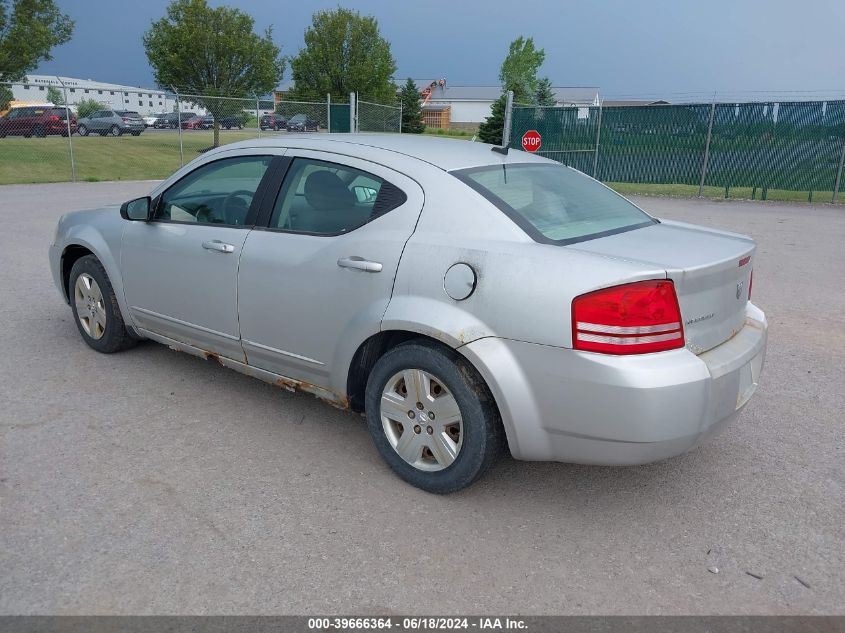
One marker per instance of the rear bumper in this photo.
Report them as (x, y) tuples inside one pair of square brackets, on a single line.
[(559, 404)]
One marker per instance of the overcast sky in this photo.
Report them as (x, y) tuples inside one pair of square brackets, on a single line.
[(636, 48)]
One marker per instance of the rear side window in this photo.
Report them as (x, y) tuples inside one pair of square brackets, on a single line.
[(323, 198), (59, 112), (553, 203)]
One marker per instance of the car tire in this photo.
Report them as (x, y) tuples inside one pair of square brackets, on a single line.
[(115, 131), (95, 308), (2, 133), (136, 134), (455, 432), (82, 130), (39, 132)]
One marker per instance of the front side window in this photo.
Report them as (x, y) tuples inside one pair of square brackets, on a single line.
[(325, 198), (216, 193), (553, 203)]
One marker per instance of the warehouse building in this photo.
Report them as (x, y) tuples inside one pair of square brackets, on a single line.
[(33, 89), (465, 107)]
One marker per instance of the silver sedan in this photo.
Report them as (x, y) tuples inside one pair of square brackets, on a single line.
[(464, 299)]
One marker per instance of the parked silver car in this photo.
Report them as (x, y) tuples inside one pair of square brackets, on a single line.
[(113, 122), (463, 299)]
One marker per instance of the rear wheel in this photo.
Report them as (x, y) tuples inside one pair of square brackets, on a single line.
[(83, 131), (115, 131), (432, 417), (95, 307)]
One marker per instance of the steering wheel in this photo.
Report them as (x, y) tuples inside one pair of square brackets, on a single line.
[(235, 208)]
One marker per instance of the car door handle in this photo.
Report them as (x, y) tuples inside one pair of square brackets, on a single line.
[(359, 263), (217, 245)]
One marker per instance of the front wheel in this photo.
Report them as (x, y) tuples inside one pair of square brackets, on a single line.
[(95, 307), (83, 131), (115, 131), (432, 417)]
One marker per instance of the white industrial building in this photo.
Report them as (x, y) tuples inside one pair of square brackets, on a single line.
[(33, 89), (446, 106)]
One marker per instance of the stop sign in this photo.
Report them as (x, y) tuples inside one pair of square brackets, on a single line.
[(531, 141)]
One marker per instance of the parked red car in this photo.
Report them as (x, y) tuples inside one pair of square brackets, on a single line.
[(37, 121), (195, 123)]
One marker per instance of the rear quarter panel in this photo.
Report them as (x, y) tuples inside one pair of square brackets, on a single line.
[(524, 289)]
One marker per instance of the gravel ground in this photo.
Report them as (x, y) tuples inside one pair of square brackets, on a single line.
[(155, 482)]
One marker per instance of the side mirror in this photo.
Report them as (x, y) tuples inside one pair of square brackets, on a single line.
[(138, 209)]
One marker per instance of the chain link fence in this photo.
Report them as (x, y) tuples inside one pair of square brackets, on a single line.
[(376, 117), (771, 150), (110, 133)]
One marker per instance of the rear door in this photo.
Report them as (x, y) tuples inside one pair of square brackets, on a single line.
[(316, 280)]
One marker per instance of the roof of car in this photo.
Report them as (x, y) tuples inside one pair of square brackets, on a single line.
[(447, 154)]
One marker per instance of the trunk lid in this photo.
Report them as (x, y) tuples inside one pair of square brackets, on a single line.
[(710, 269)]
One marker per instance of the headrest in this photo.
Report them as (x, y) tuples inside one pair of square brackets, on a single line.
[(325, 190)]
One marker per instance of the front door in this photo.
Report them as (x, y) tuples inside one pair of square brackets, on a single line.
[(316, 280), (180, 270)]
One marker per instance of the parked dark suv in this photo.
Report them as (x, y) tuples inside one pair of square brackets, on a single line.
[(273, 122), (171, 120), (234, 120), (303, 123), (37, 121)]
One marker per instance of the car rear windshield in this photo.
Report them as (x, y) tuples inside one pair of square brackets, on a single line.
[(553, 203)]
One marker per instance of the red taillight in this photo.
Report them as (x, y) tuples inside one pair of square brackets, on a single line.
[(635, 318), (750, 283), (53, 117)]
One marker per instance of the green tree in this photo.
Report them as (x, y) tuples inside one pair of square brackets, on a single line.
[(54, 96), (544, 96), (411, 101), (213, 52), (6, 97), (29, 30), (87, 107), (343, 53), (519, 70), (519, 74), (491, 130)]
